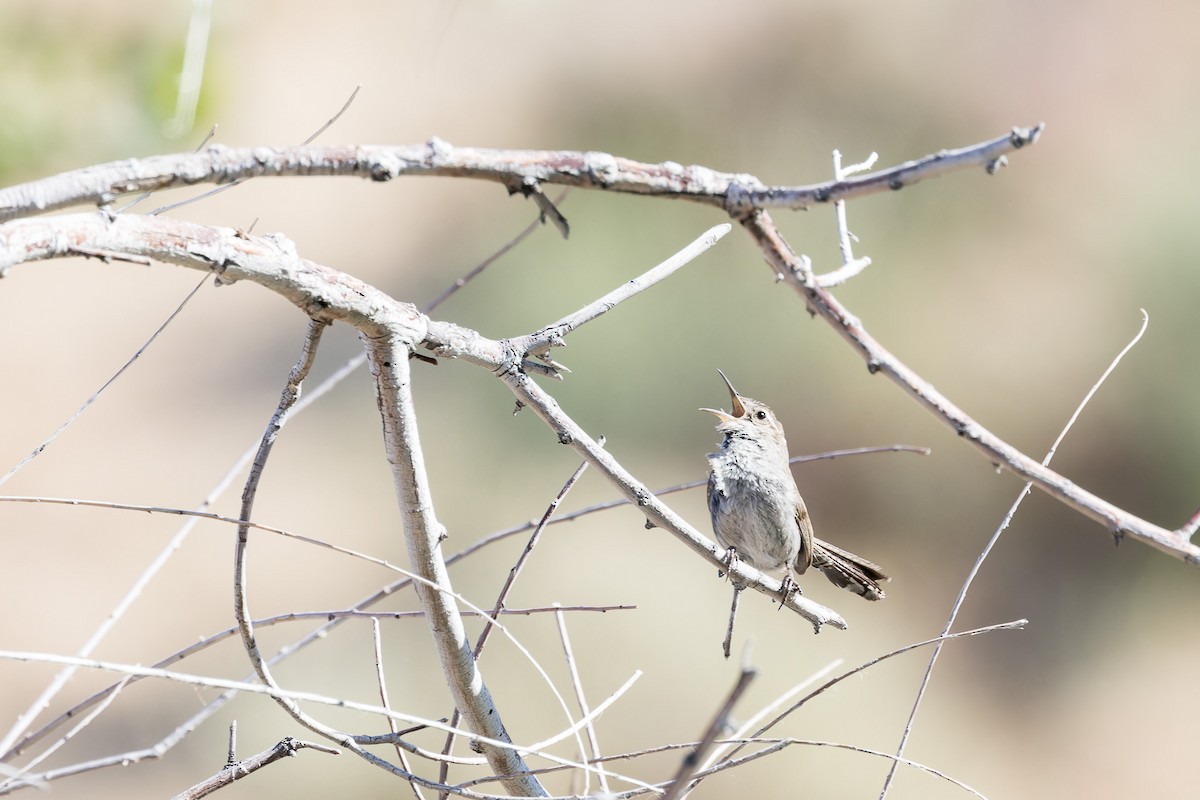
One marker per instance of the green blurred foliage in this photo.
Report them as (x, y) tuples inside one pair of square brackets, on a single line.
[(81, 88)]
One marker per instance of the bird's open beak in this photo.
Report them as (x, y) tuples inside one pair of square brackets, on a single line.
[(735, 400)]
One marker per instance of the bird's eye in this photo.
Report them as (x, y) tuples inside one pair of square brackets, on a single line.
[(760, 415)]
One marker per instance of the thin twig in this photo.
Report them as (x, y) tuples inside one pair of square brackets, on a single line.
[(293, 696), (581, 698), (37, 451), (753, 721), (1014, 625), (538, 343), (381, 680), (509, 582), (23, 774), (287, 400), (236, 771), (851, 266), (329, 122), (475, 271), (239, 181), (135, 591), (987, 549), (691, 764)]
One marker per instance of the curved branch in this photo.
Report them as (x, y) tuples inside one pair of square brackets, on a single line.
[(784, 261)]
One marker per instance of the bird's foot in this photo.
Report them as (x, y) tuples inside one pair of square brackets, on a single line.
[(730, 559), (787, 588)]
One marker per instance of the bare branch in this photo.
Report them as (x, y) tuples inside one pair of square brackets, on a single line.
[(537, 344), (691, 764), (237, 771), (989, 155), (783, 260), (738, 194), (388, 360)]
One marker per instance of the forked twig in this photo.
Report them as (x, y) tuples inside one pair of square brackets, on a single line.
[(987, 549)]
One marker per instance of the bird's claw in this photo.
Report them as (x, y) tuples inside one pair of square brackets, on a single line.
[(730, 559), (787, 588)]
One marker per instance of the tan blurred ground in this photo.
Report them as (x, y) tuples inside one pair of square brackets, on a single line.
[(1010, 294)]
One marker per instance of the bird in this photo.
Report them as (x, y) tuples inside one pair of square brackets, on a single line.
[(757, 512)]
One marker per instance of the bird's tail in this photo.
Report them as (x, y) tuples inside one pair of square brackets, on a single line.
[(852, 573)]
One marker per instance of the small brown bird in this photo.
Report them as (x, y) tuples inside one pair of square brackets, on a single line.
[(757, 511)]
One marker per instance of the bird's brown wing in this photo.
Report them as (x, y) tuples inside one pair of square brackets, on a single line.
[(804, 555)]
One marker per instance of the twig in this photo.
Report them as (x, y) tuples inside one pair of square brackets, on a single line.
[(509, 582), (986, 154), (23, 774), (239, 181), (37, 451), (754, 720), (581, 698), (851, 266), (288, 398), (537, 344), (135, 591), (381, 679), (1014, 625), (329, 122), (987, 549), (349, 743), (475, 271), (680, 487), (237, 771), (691, 764)]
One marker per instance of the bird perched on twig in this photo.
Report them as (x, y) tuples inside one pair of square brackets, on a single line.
[(757, 512)]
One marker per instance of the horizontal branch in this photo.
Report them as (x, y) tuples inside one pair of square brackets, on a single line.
[(737, 193)]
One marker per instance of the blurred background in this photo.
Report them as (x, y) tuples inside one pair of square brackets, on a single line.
[(1009, 293)]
